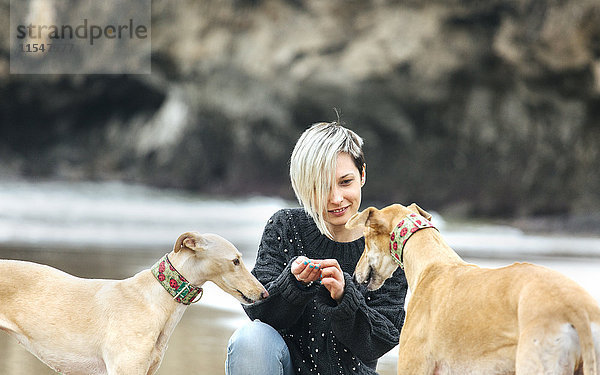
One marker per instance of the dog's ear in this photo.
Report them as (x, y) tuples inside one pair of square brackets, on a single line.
[(415, 207), (191, 240), (370, 217), (359, 218)]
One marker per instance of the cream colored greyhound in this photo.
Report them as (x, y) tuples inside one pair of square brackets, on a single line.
[(463, 319), (85, 326)]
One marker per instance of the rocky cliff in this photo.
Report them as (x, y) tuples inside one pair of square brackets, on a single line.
[(481, 108)]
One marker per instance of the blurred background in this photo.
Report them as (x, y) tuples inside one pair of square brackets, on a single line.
[(487, 113)]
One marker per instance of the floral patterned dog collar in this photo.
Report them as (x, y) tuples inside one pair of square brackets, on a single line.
[(402, 232), (174, 283)]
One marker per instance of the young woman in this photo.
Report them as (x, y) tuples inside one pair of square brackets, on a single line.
[(317, 320)]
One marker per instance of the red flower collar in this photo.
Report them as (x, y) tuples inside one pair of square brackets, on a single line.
[(402, 232), (174, 282)]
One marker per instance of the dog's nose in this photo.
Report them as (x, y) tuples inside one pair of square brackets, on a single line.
[(264, 294), (366, 281)]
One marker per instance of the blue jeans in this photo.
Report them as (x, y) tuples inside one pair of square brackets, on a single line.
[(257, 348)]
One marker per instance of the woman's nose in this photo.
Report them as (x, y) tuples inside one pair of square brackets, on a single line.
[(336, 196)]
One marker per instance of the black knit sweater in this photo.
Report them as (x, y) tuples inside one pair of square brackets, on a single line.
[(324, 337)]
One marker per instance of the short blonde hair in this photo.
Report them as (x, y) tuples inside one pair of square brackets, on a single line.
[(313, 164)]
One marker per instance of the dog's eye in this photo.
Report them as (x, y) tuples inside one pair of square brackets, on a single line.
[(236, 262)]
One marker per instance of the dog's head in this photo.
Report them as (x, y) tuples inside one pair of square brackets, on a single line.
[(376, 264), (215, 259)]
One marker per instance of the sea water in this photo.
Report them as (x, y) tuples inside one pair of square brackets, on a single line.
[(113, 229)]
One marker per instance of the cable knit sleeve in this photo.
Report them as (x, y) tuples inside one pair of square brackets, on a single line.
[(287, 297), (368, 323)]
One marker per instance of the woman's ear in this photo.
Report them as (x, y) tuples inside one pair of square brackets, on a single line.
[(363, 175)]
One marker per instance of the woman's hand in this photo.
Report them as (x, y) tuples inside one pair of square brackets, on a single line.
[(327, 271), (332, 278), (305, 270)]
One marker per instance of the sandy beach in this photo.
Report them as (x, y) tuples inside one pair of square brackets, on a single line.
[(114, 231), (198, 345)]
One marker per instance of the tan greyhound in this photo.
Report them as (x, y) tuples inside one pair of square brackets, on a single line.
[(463, 319), (85, 326)]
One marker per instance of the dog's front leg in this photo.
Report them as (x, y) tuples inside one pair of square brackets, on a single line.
[(155, 365), (413, 358), (129, 363), (128, 368)]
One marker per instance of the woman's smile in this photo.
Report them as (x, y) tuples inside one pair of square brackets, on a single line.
[(339, 211)]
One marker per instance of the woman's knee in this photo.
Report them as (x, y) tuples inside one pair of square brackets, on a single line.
[(254, 336), (257, 348)]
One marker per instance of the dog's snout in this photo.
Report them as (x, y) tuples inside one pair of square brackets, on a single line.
[(359, 279)]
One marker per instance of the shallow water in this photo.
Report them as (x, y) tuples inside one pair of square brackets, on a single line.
[(198, 345), (115, 230)]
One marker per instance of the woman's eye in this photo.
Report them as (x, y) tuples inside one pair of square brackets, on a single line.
[(347, 182)]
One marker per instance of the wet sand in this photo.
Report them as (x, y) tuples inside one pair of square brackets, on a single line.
[(198, 345)]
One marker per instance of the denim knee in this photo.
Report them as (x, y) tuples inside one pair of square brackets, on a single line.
[(257, 348)]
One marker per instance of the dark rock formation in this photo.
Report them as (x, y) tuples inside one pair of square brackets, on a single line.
[(485, 108)]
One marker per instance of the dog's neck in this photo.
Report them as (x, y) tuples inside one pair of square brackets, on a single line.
[(426, 247), (175, 283), (406, 227)]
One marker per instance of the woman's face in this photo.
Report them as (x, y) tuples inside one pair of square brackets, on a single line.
[(344, 198)]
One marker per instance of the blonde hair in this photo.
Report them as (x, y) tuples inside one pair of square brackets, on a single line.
[(313, 164)]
